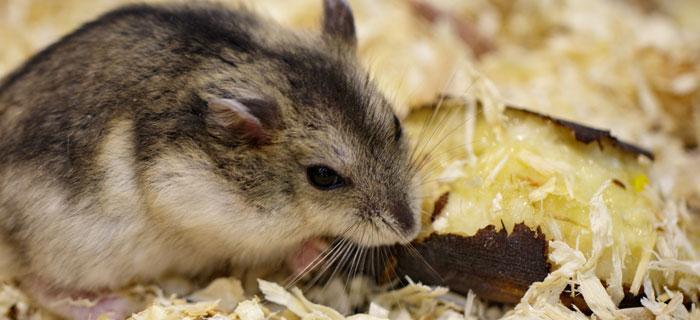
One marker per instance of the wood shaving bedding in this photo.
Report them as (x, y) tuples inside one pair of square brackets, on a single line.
[(590, 61)]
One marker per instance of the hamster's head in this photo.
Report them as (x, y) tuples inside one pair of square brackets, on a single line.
[(310, 141)]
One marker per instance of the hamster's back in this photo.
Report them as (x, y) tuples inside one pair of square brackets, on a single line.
[(81, 118), (131, 63)]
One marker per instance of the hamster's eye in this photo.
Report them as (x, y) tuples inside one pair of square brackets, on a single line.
[(324, 178)]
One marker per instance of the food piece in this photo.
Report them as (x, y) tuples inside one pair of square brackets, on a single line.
[(497, 192), (496, 265)]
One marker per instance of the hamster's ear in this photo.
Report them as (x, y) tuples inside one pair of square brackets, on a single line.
[(252, 120), (338, 22)]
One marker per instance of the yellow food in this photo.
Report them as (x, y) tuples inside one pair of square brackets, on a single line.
[(594, 195)]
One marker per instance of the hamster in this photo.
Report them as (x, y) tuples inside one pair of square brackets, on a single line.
[(173, 139)]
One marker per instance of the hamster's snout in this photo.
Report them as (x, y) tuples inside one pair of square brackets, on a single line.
[(405, 218)]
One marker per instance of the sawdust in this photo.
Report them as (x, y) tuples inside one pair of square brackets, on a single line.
[(632, 66)]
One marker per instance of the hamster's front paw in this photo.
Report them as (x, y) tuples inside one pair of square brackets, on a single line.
[(302, 259), (80, 305)]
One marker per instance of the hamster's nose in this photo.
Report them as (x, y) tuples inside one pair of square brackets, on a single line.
[(403, 215)]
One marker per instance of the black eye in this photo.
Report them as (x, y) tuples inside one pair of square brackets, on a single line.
[(324, 178)]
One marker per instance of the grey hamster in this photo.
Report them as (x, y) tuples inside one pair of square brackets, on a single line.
[(173, 139)]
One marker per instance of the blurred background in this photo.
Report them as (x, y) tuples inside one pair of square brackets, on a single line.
[(631, 66)]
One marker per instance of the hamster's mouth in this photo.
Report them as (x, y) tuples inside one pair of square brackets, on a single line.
[(326, 257), (362, 241), (379, 234)]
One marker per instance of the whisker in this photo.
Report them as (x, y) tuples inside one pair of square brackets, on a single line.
[(448, 134), (395, 279), (318, 260), (342, 261), (346, 243), (419, 155), (453, 130), (421, 145), (429, 121), (353, 265), (329, 263), (363, 260), (426, 123), (415, 253), (391, 253)]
